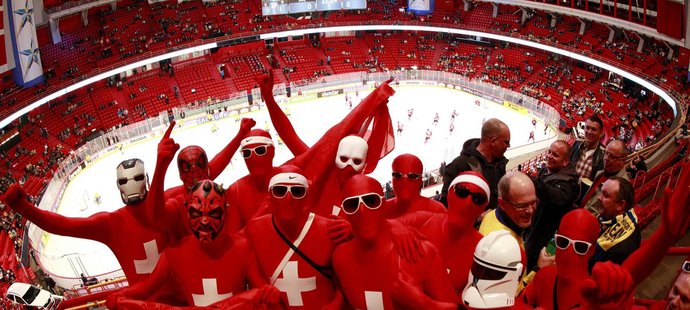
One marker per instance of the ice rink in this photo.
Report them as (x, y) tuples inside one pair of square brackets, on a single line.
[(311, 119)]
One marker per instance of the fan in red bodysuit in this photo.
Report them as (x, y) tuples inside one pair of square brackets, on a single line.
[(371, 273), (559, 288), (304, 276), (250, 192), (137, 250), (168, 213), (336, 146), (206, 267), (675, 220), (453, 232), (407, 185)]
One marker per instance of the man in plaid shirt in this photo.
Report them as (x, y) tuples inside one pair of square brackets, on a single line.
[(588, 154)]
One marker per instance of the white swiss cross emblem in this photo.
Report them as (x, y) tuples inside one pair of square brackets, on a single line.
[(146, 266), (373, 300), (335, 210), (293, 285), (210, 295)]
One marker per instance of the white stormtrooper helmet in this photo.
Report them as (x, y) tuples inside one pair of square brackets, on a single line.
[(352, 151), (495, 273), (132, 180)]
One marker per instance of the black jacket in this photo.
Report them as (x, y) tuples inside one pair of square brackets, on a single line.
[(471, 159), (627, 239), (597, 159), (557, 193)]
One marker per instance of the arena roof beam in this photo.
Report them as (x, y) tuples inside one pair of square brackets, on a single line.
[(595, 17)]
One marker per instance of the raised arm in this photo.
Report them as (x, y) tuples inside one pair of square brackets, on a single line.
[(560, 192), (319, 159), (95, 227), (222, 159), (675, 217), (280, 121), (161, 214)]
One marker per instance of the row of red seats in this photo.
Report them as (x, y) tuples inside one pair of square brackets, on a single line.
[(482, 11)]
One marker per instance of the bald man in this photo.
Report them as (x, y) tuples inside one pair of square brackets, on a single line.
[(517, 200), (614, 166), (484, 155)]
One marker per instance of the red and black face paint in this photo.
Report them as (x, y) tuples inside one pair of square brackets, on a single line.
[(206, 206), (193, 165)]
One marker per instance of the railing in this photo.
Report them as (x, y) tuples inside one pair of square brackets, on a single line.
[(105, 286)]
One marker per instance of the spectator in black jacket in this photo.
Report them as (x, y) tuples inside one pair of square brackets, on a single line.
[(638, 164), (483, 155), (557, 189)]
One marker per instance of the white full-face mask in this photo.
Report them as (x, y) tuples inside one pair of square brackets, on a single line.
[(352, 151)]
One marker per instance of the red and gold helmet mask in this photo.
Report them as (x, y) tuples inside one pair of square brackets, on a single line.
[(206, 206)]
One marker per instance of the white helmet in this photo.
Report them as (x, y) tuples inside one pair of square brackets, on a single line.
[(495, 273), (132, 180)]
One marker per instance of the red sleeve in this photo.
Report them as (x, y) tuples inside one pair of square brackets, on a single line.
[(283, 125), (95, 227), (255, 274), (438, 284), (415, 219), (223, 158)]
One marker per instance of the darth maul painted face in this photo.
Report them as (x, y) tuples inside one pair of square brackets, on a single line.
[(206, 206), (193, 165)]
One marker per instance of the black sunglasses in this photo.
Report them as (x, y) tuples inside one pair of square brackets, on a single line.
[(462, 192), (411, 176)]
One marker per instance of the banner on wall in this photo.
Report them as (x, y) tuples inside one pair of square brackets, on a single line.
[(3, 50), (28, 67), (515, 107), (420, 7)]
